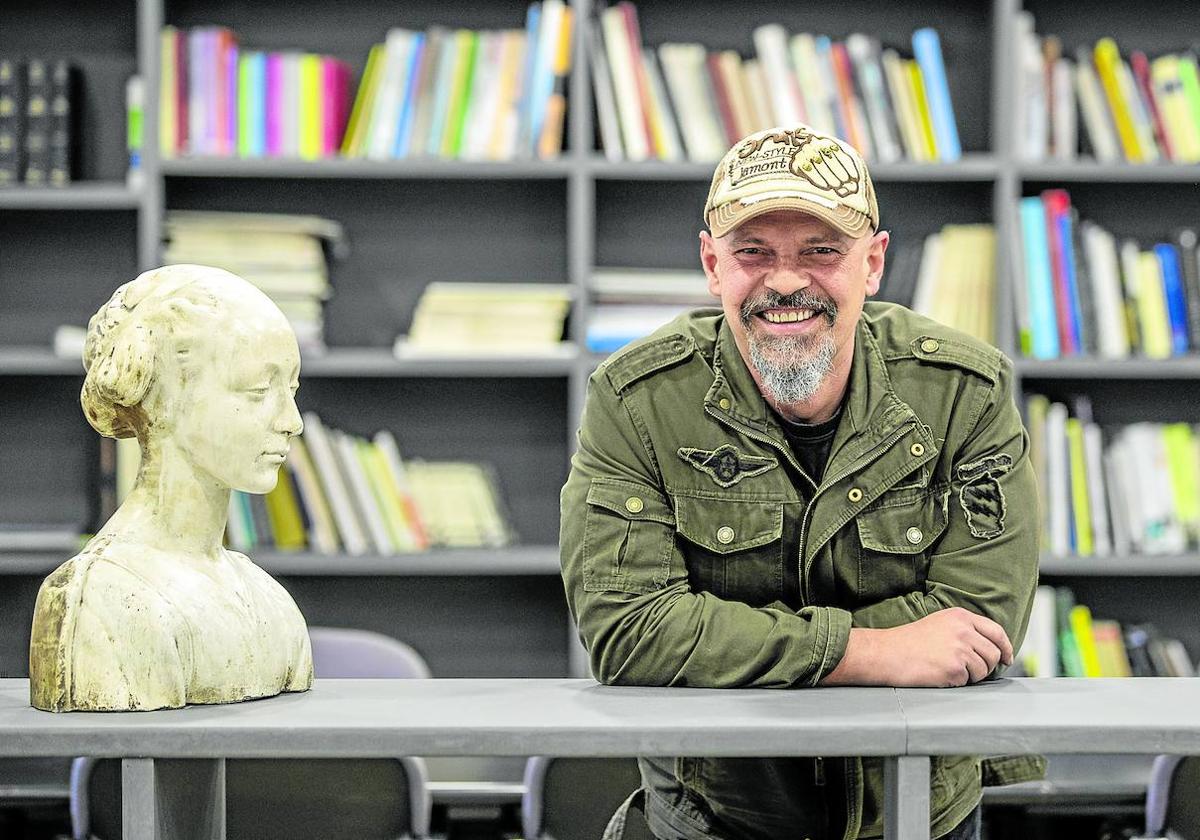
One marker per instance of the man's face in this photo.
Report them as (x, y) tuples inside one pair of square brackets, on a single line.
[(792, 288)]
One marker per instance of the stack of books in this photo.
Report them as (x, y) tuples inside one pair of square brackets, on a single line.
[(465, 94), (633, 302), (1064, 639), (951, 278), (488, 319), (1139, 110), (284, 255), (38, 118), (684, 101), (1137, 492), (339, 492), (1085, 295), (218, 98)]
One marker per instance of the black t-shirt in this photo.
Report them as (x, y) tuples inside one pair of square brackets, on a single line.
[(811, 443)]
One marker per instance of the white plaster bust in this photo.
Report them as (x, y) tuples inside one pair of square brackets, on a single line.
[(202, 368)]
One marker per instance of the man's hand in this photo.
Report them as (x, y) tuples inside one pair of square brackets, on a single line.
[(948, 648)]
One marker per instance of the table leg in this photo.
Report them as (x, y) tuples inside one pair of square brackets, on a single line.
[(906, 797), (173, 799)]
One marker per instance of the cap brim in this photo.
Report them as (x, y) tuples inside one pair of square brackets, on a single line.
[(723, 219)]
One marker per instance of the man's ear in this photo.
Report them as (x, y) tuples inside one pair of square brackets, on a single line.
[(875, 260), (708, 260)]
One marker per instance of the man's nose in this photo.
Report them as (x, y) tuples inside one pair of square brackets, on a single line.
[(786, 278)]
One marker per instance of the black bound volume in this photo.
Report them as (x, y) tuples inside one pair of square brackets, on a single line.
[(62, 115), (12, 121), (37, 123)]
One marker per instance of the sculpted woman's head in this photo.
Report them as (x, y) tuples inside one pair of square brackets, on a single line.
[(197, 359)]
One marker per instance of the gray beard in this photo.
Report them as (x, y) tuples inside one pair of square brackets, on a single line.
[(791, 371)]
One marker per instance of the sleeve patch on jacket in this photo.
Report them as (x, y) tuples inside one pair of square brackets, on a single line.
[(981, 496), (725, 465)]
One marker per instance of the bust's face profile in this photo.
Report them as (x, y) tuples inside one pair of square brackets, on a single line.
[(198, 364), (233, 411)]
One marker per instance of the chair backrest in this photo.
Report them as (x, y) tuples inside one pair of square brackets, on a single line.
[(1173, 798), (574, 798), (267, 799), (343, 653)]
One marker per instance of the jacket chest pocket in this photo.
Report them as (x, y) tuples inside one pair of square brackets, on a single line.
[(896, 535), (733, 547)]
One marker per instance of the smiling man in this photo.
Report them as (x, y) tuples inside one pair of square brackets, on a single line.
[(800, 489)]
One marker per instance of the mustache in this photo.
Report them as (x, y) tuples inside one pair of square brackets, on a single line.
[(802, 299)]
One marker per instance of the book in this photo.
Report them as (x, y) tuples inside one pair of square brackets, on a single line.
[(395, 470), (1108, 68), (818, 112), (1101, 131), (1100, 251), (12, 121), (606, 103), (322, 530), (1176, 298), (550, 142), (38, 94), (621, 63), (787, 104), (865, 53), (1139, 64), (928, 50), (1039, 279), (325, 459), (283, 514), (1081, 525)]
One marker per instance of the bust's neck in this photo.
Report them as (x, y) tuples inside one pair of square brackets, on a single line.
[(173, 507)]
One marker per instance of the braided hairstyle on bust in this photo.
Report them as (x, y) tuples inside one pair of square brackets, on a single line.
[(127, 335)]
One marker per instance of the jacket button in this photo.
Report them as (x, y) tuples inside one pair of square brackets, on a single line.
[(930, 345), (917, 449), (634, 505), (855, 494), (914, 535), (725, 535), (724, 403)]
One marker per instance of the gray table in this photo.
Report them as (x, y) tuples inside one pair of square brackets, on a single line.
[(173, 770)]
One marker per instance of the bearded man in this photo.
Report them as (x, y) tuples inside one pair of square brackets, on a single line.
[(800, 489)]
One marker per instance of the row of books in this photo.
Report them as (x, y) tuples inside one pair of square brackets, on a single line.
[(475, 95), (284, 255), (1138, 110), (629, 303), (1064, 639), (37, 121), (686, 101), (217, 98), (1084, 294), (1135, 490), (487, 318), (341, 492), (950, 276)]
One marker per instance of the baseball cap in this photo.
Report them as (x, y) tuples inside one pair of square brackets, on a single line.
[(792, 168)]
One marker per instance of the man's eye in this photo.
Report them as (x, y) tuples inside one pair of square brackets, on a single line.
[(750, 251)]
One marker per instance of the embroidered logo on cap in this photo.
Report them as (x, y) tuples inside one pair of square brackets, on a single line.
[(725, 465), (820, 161)]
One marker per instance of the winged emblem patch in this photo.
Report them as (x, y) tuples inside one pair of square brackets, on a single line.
[(725, 465)]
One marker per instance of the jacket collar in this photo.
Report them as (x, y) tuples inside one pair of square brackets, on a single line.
[(872, 410)]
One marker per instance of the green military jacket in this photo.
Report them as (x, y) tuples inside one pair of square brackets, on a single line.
[(696, 552)]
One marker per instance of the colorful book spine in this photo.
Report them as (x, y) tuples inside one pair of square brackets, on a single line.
[(275, 104), (1057, 205), (1038, 279), (310, 119), (927, 48), (416, 68), (168, 99), (1108, 68), (1173, 291), (364, 101)]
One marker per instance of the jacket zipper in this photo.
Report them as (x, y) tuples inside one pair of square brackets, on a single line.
[(861, 462)]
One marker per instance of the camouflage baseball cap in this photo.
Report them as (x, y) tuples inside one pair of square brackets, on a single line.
[(792, 168)]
